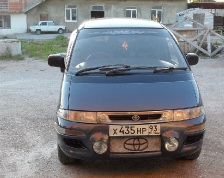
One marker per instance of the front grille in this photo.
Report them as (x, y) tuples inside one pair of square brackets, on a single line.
[(74, 143), (129, 117), (193, 139)]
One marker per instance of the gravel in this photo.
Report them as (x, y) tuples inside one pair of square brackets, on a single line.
[(29, 92)]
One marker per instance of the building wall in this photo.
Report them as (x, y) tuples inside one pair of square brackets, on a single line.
[(18, 25), (55, 10)]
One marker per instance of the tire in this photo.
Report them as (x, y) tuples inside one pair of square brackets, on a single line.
[(38, 32), (65, 159), (60, 31), (192, 156)]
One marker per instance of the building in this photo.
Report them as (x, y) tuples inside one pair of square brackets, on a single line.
[(200, 15), (13, 18), (214, 7), (72, 12)]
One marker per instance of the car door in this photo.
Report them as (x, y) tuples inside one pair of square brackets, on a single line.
[(44, 26), (51, 27)]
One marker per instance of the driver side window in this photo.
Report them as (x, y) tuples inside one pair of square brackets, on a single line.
[(43, 24)]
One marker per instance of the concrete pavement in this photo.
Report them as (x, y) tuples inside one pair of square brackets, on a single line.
[(29, 92)]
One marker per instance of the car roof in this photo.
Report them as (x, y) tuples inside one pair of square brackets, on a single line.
[(119, 23)]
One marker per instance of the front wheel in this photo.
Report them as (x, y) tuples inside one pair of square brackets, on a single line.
[(65, 159), (192, 156), (38, 32), (60, 31)]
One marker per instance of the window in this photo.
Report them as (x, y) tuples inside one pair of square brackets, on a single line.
[(137, 47), (5, 21), (4, 5), (51, 23), (156, 13), (70, 13), (131, 12), (43, 23), (97, 11), (97, 8)]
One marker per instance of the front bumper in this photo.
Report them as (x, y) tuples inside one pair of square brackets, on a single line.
[(77, 139)]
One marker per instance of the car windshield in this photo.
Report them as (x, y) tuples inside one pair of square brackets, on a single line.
[(132, 47)]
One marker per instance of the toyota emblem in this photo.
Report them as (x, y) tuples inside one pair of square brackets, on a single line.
[(136, 144), (135, 118)]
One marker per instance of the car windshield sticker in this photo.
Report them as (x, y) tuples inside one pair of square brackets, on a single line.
[(123, 32)]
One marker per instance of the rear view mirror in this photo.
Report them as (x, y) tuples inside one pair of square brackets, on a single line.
[(57, 60), (192, 58)]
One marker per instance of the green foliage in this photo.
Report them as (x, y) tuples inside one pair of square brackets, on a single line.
[(42, 49)]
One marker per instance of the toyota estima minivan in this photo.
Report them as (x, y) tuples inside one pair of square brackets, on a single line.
[(127, 92)]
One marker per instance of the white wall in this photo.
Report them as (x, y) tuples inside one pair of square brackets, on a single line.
[(10, 45), (18, 25)]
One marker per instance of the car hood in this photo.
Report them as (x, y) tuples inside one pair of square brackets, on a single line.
[(133, 96)]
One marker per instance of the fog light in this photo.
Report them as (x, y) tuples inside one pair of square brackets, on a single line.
[(100, 147), (171, 144)]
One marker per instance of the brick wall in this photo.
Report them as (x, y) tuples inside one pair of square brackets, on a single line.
[(16, 5)]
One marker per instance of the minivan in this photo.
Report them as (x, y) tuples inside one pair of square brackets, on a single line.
[(127, 91)]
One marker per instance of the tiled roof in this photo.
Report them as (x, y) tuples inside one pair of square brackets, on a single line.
[(19, 6)]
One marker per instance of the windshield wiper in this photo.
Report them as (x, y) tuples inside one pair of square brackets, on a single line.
[(116, 69), (169, 69), (157, 69), (101, 68), (121, 70)]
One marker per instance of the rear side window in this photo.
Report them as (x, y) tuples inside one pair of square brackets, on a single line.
[(134, 47), (51, 23)]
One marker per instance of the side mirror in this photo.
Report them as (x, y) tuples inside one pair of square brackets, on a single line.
[(57, 60), (192, 58)]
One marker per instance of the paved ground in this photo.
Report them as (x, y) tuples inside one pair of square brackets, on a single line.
[(29, 92)]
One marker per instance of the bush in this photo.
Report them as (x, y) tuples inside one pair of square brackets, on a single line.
[(42, 49)]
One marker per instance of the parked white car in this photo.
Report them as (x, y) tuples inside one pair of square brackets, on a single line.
[(47, 26)]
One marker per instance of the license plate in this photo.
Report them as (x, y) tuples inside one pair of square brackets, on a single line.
[(134, 130)]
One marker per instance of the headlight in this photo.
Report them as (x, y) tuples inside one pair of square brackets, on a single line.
[(78, 116), (103, 117), (190, 113), (167, 116)]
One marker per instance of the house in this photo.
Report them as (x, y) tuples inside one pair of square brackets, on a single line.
[(13, 18), (216, 8), (73, 12), (200, 15)]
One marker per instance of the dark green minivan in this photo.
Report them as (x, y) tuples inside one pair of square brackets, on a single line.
[(127, 92)]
